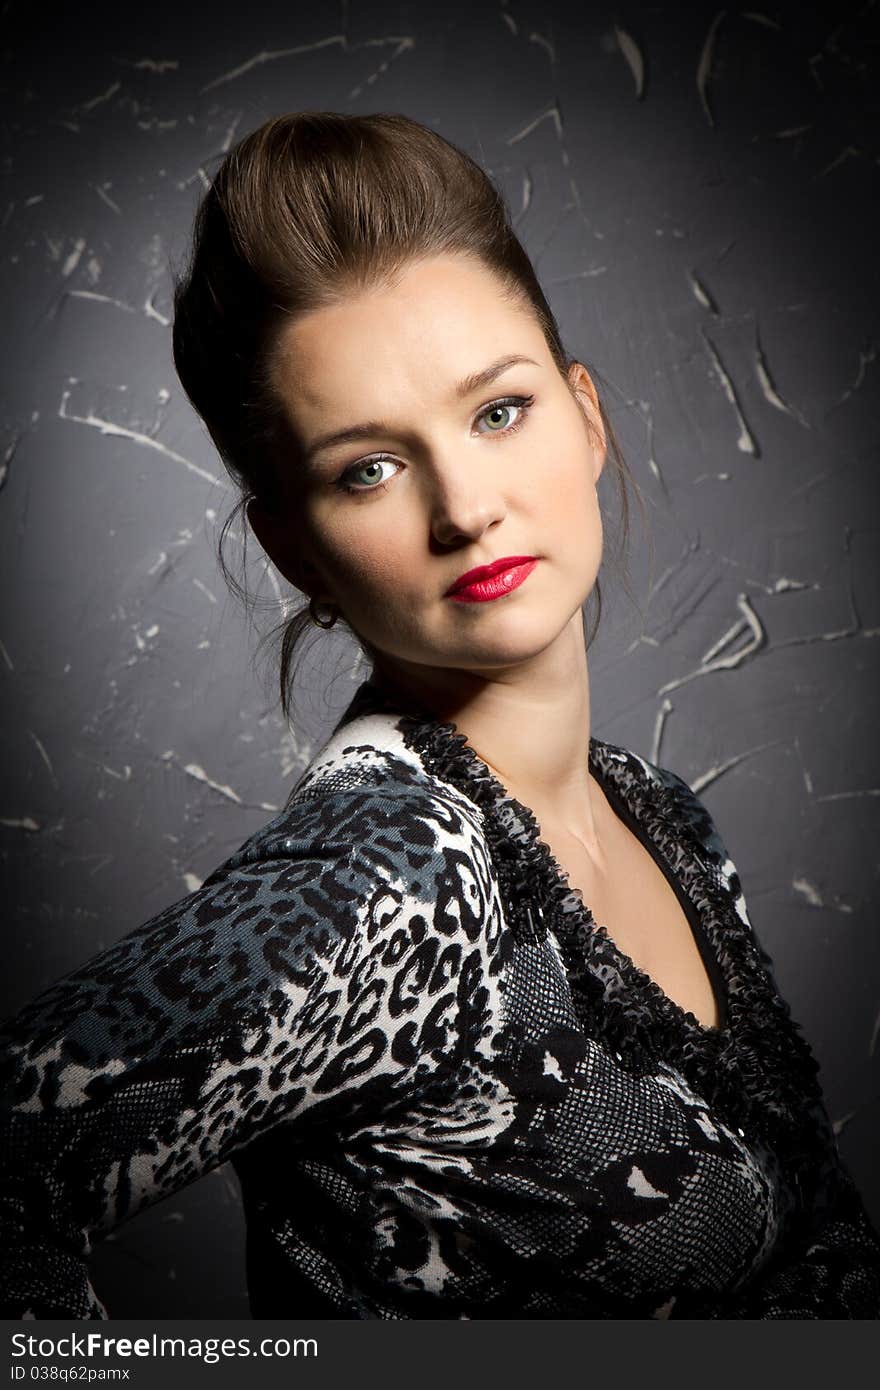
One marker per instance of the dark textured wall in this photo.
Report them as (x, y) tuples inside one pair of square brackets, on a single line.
[(695, 187)]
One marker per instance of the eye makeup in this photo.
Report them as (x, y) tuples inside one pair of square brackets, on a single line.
[(522, 404)]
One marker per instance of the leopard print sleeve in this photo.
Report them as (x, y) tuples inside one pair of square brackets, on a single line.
[(245, 1005)]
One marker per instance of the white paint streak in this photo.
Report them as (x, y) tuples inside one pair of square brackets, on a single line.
[(552, 112), (848, 796), (580, 275), (8, 455), (24, 823), (714, 662), (123, 776), (867, 356), (200, 775), (159, 65), (771, 395), (153, 313), (544, 43), (701, 294), (272, 56), (137, 437), (752, 621), (104, 96), (105, 196), (526, 192), (704, 66), (745, 442), (712, 774), (633, 55), (850, 152), (230, 133), (44, 755), (205, 590), (100, 299), (761, 19), (73, 259), (784, 585), (659, 723), (807, 891), (404, 44)]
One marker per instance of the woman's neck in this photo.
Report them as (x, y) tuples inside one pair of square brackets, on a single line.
[(530, 724)]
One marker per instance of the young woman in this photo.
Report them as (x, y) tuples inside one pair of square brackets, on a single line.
[(479, 1018)]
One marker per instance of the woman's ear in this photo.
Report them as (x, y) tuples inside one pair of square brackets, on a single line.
[(584, 390), (276, 535)]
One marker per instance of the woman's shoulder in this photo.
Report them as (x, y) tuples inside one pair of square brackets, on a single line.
[(366, 753), (678, 813), (376, 753), (670, 790), (367, 794)]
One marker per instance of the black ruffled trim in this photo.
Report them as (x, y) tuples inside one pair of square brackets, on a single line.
[(757, 1071)]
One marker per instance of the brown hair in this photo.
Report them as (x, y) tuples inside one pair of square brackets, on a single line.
[(307, 208)]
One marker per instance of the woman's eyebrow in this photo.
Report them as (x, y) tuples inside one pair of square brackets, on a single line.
[(483, 378), (466, 387)]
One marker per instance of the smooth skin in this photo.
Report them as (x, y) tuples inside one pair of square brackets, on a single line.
[(461, 481)]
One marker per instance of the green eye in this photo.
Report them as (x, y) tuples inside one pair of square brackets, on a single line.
[(373, 464), (375, 483), (503, 417), (496, 411)]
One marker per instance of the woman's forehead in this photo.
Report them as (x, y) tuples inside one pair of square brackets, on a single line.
[(439, 322)]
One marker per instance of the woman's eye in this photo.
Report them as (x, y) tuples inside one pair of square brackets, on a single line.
[(366, 471), (498, 415)]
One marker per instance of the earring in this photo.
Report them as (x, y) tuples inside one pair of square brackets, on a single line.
[(315, 617)]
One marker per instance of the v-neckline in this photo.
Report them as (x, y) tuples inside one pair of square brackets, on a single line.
[(602, 763), (758, 1070), (659, 852)]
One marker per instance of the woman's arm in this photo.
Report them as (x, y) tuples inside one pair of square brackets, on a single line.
[(217, 1019), (829, 1268)]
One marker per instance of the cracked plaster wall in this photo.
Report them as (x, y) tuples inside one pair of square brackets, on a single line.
[(695, 187)]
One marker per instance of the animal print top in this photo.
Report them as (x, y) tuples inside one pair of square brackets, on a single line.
[(445, 1091)]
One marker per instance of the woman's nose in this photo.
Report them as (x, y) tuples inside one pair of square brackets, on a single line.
[(465, 502)]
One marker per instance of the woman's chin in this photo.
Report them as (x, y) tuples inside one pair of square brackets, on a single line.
[(511, 642)]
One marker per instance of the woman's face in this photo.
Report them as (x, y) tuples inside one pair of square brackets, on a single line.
[(437, 475)]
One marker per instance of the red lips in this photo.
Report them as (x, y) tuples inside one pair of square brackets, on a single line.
[(486, 571)]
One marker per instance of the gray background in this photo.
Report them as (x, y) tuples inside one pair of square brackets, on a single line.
[(707, 235)]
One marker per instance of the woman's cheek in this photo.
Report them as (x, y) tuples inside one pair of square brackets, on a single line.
[(366, 566)]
